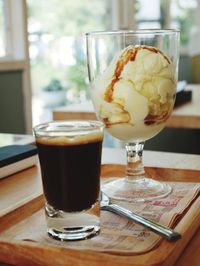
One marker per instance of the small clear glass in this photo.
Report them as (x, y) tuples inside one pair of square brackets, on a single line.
[(133, 77), (70, 162)]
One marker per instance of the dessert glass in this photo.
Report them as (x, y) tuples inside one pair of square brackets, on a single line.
[(133, 76)]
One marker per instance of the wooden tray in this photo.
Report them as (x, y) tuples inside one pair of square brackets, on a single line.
[(30, 253)]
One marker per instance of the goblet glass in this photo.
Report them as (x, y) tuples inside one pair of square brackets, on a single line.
[(133, 77)]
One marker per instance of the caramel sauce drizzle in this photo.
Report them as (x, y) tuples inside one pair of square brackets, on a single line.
[(126, 56), (153, 119), (130, 55)]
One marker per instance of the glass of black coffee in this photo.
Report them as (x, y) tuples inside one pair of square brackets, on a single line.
[(70, 161)]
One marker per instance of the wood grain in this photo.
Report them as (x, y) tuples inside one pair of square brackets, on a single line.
[(30, 253), (20, 196), (19, 189)]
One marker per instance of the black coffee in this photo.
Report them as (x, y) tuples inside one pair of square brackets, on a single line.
[(70, 173)]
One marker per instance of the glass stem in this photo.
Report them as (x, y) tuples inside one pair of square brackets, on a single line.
[(135, 168)]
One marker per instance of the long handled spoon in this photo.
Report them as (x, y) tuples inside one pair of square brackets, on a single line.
[(165, 232)]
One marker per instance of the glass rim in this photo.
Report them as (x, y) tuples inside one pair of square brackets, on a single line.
[(79, 127), (133, 32)]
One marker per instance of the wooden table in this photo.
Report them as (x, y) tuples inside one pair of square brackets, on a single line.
[(20, 189), (184, 116), (188, 114)]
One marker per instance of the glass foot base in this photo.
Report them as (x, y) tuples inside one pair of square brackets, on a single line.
[(139, 190), (69, 226), (74, 233)]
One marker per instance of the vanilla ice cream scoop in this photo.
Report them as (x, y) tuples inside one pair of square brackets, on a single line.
[(135, 95)]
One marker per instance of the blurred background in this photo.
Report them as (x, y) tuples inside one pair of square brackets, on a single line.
[(43, 55)]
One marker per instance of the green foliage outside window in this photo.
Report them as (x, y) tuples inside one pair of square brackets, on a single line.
[(60, 19)]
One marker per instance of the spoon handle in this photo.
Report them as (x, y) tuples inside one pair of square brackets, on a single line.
[(165, 232)]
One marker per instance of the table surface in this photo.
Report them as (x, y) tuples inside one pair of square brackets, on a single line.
[(29, 184), (185, 116)]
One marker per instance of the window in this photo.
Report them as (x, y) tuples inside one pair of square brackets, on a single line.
[(148, 15), (2, 30), (13, 42), (179, 14), (14, 48), (183, 15), (57, 42), (58, 52)]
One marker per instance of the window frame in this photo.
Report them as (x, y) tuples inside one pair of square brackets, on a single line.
[(17, 51)]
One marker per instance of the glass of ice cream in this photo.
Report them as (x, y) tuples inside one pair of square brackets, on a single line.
[(133, 77)]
